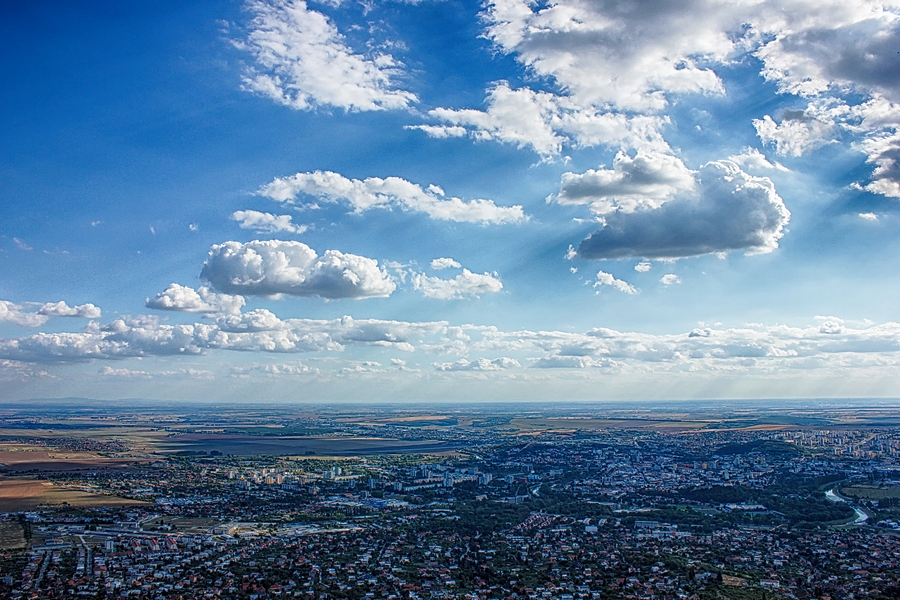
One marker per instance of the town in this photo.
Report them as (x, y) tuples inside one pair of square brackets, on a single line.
[(571, 508)]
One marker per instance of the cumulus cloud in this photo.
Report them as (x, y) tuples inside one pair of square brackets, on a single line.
[(273, 267), (521, 117), (799, 131), (18, 315), (882, 148), (669, 279), (843, 57), (868, 216), (828, 343), (26, 316), (440, 131), (606, 279), (61, 309), (262, 222), (751, 158), (465, 285), (303, 62), (255, 331), (480, 364), (568, 362), (376, 192), (615, 68), (181, 298), (645, 180), (819, 48), (643, 266), (544, 122), (608, 53), (730, 210), (250, 322), (444, 263)]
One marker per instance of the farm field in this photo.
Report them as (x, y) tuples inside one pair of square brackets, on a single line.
[(249, 445), (19, 494)]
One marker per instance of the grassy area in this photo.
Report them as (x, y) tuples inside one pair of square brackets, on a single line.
[(12, 535), (871, 492), (18, 494)]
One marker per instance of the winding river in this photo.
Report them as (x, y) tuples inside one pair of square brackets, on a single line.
[(833, 496)]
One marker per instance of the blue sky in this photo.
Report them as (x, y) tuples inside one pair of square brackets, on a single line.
[(336, 200)]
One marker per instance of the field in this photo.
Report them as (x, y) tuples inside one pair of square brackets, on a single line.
[(12, 536), (25, 493), (576, 424), (26, 457), (872, 492), (249, 445)]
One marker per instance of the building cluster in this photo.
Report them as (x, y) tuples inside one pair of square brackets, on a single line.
[(617, 514)]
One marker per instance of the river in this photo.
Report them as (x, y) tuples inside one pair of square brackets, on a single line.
[(833, 496)]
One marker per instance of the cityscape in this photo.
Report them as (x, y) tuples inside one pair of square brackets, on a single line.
[(592, 501)]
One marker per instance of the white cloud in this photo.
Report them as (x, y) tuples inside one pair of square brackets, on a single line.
[(875, 125), (302, 61), (16, 314), (605, 53), (521, 117), (568, 362), (250, 322), (606, 279), (465, 285), (730, 210), (269, 268), (444, 263), (61, 309), (20, 372), (643, 266), (480, 364), (646, 180), (882, 148), (181, 298), (138, 374), (391, 191), (614, 68), (868, 216), (262, 222), (440, 131), (21, 245), (829, 343), (255, 331), (824, 46), (843, 57), (799, 132), (751, 158), (544, 122), (669, 279), (274, 370)]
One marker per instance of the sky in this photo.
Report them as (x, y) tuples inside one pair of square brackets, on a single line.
[(341, 200)]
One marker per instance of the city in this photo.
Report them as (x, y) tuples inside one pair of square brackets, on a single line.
[(574, 504)]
